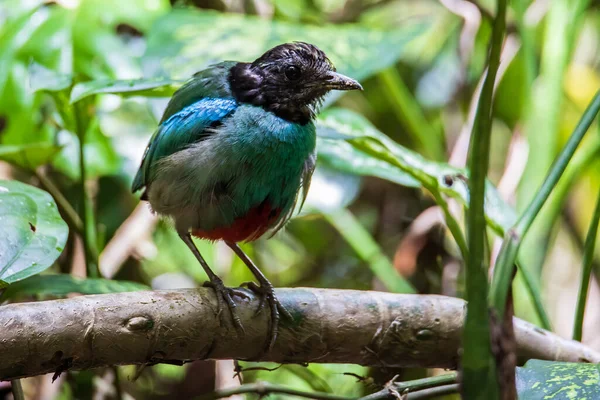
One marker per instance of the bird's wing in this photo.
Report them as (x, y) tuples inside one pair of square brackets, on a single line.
[(210, 82), (180, 130), (199, 104)]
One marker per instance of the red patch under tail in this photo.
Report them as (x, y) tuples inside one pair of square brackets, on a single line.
[(250, 227)]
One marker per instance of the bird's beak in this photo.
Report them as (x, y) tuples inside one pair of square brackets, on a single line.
[(337, 81)]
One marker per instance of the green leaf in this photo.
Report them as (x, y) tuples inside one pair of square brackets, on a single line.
[(159, 87), (29, 156), (33, 233), (183, 42), (14, 35), (44, 79), (336, 124), (391, 161), (558, 381), (60, 285)]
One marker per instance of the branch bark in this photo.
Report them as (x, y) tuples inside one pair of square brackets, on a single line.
[(329, 326)]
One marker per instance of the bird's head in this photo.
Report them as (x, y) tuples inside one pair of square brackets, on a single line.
[(290, 80)]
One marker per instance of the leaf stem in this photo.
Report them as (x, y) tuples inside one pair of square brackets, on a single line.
[(588, 260), (69, 212), (534, 292), (425, 388), (452, 224), (409, 112), (368, 250), (514, 237), (415, 386), (87, 212), (265, 388)]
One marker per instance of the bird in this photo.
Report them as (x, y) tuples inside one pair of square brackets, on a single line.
[(234, 153)]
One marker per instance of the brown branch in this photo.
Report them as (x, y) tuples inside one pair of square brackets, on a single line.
[(329, 326)]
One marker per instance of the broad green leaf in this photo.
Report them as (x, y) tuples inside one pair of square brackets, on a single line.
[(44, 79), (29, 156), (159, 87), (33, 234), (14, 35), (60, 285), (185, 41), (539, 380), (51, 44), (336, 124), (404, 165)]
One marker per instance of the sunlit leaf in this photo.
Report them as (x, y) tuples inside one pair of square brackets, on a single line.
[(336, 124), (185, 41), (135, 87), (44, 79), (60, 285), (14, 35), (440, 177), (539, 380), (33, 234), (330, 190), (28, 156), (404, 165)]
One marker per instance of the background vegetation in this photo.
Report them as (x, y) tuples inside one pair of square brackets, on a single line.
[(83, 84)]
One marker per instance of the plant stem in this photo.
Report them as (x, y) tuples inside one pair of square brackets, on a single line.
[(478, 362), (414, 386), (513, 238), (417, 389), (69, 212), (264, 388), (117, 384), (368, 250), (87, 212), (433, 392), (452, 224), (17, 389), (409, 112), (534, 292), (588, 260)]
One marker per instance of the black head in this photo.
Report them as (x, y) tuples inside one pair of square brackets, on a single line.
[(290, 80)]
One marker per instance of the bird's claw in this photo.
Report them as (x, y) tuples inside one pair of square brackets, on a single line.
[(266, 294), (226, 294)]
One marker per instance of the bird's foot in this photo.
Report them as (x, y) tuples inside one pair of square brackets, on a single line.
[(225, 295), (266, 294)]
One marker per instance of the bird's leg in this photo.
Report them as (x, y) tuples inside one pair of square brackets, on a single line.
[(224, 294), (266, 292)]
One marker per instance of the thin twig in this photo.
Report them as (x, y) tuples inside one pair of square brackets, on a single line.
[(414, 386), (433, 392), (264, 388), (69, 212)]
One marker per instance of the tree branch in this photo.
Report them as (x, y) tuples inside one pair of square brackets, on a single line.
[(329, 326)]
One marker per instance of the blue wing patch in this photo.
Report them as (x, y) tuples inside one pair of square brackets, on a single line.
[(180, 130)]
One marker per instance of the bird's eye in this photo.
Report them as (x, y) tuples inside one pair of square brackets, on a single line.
[(292, 72)]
